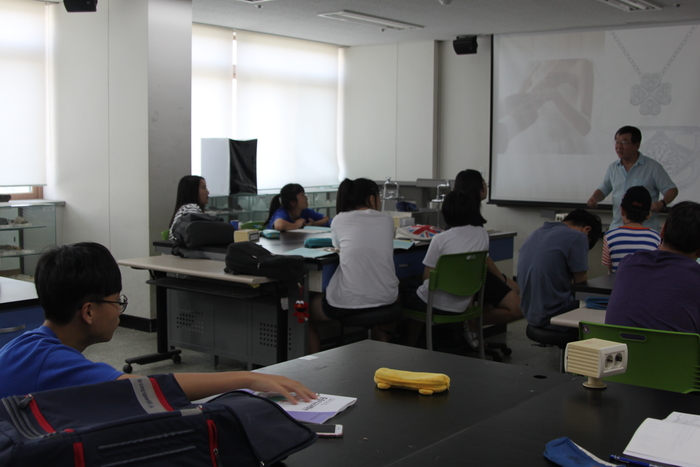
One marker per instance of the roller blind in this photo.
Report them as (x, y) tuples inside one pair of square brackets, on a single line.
[(213, 97), (23, 92), (288, 100)]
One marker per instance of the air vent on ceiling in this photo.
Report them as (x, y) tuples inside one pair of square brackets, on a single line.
[(631, 5), (363, 18)]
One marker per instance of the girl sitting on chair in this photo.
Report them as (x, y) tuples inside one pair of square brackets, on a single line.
[(461, 213), (289, 210), (366, 277), (501, 294), (192, 197)]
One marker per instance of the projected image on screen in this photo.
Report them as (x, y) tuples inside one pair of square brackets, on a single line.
[(559, 98), (554, 99)]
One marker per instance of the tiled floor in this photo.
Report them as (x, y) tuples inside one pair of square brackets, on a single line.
[(129, 343)]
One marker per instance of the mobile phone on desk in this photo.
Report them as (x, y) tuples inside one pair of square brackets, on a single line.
[(327, 431)]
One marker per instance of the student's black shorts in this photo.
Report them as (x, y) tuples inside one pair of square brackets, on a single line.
[(495, 290), (336, 313)]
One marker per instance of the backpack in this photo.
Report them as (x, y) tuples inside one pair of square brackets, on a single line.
[(251, 259), (194, 230), (145, 421)]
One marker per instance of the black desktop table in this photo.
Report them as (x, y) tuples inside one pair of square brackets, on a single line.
[(493, 415)]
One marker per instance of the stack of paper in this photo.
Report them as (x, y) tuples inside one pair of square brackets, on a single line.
[(675, 440), (317, 411)]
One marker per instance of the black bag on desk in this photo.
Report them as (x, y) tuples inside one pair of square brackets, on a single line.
[(146, 421), (251, 259), (195, 230)]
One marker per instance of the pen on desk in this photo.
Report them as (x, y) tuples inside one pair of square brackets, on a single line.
[(632, 461)]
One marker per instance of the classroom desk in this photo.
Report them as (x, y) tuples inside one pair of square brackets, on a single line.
[(408, 262), (597, 287), (572, 318), (493, 415), (212, 311), (19, 309), (207, 263)]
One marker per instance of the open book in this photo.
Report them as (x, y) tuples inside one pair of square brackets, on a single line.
[(316, 411), (675, 440)]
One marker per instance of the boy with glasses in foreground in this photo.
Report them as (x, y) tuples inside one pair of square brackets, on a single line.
[(79, 289)]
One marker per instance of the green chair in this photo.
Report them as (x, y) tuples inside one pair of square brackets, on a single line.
[(165, 234), (460, 274), (656, 359), (259, 225)]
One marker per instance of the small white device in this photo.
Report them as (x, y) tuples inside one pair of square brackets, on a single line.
[(597, 359), (328, 431), (246, 235)]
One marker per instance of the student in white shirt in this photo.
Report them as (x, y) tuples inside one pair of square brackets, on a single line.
[(461, 213), (366, 277)]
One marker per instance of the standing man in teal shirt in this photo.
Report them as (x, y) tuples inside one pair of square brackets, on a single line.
[(634, 169)]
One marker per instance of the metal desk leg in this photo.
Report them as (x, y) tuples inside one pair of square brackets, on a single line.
[(162, 332), (282, 323)]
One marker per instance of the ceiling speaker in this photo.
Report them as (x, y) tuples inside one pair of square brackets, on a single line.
[(465, 45), (80, 5)]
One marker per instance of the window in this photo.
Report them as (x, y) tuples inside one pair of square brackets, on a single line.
[(284, 94), (23, 92)]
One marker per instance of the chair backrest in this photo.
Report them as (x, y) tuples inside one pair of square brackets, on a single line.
[(460, 273), (259, 225), (657, 359)]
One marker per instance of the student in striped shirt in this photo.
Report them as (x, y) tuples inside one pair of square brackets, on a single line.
[(632, 235)]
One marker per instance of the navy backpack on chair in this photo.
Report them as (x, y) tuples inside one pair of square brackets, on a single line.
[(145, 421)]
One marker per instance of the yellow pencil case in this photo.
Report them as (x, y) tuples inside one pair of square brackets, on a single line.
[(424, 383)]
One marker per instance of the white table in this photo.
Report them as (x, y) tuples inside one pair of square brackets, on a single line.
[(572, 318)]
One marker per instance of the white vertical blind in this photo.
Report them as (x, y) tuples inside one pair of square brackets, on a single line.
[(287, 100), (213, 99), (23, 93)]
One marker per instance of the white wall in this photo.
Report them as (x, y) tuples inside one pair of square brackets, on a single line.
[(390, 107), (122, 136)]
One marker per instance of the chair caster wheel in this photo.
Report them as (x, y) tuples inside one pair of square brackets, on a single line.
[(177, 359), (127, 369), (507, 352)]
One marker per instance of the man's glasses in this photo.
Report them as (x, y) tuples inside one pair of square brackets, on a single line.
[(123, 302)]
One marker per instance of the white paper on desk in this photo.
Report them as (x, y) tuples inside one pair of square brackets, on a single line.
[(318, 410), (309, 252), (667, 442), (684, 418)]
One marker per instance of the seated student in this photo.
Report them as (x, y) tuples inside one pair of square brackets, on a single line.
[(632, 235), (660, 289), (192, 197), (366, 277), (551, 259), (501, 293), (461, 213), (290, 210), (79, 289)]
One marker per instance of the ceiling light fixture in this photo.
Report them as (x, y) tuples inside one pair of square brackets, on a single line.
[(631, 5), (362, 18)]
